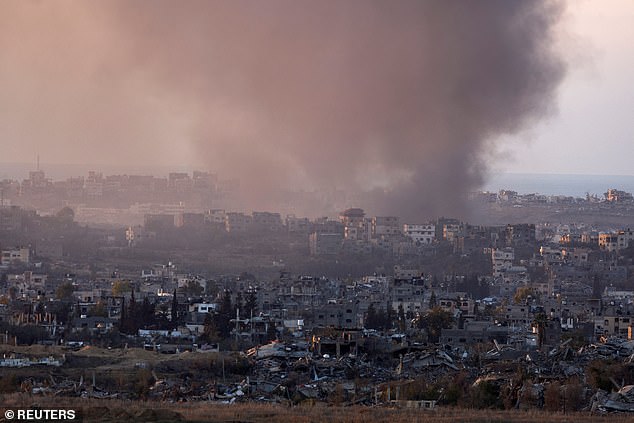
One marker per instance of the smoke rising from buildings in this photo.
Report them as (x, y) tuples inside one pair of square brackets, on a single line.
[(400, 100)]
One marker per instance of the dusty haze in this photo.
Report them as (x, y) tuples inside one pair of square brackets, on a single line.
[(402, 99)]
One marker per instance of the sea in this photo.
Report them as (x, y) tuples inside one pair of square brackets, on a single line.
[(558, 184)]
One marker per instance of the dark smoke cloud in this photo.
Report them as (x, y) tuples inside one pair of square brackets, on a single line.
[(398, 99)]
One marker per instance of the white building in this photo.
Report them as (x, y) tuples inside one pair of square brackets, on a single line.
[(215, 216), (14, 256), (420, 233)]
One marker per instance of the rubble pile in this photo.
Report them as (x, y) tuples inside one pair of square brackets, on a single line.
[(292, 372), (296, 371), (623, 400)]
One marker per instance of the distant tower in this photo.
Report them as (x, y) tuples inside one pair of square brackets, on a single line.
[(130, 236)]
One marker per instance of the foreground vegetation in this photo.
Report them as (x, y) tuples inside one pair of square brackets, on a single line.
[(94, 410)]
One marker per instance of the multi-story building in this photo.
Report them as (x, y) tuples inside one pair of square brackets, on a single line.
[(266, 221), (297, 224), (625, 239), (36, 183), (404, 272), (93, 186), (180, 182), (237, 222), (18, 255), (385, 226), (157, 222), (356, 226), (615, 195), (511, 279), (11, 218), (189, 220), (326, 226), (75, 187), (325, 243), (613, 325), (507, 196), (421, 233), (576, 255), (356, 247), (338, 315), (609, 241), (502, 259), (352, 217), (215, 217), (450, 229), (520, 234), (616, 241)]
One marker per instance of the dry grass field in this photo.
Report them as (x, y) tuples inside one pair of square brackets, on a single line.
[(93, 410)]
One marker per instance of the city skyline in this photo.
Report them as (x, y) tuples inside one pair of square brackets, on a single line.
[(415, 104)]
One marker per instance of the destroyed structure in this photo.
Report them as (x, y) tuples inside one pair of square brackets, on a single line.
[(519, 315)]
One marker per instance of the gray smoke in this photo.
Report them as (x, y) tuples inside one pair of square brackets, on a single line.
[(400, 100)]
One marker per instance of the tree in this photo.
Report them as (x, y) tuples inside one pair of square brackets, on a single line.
[(238, 306), (99, 309), (161, 319), (119, 288), (225, 314), (251, 302), (474, 285), (371, 318), (193, 289), (13, 292), (138, 315), (432, 300), (65, 291), (523, 294), (174, 311), (434, 321), (401, 318), (123, 319), (210, 333), (147, 316), (226, 306), (130, 324), (390, 316)]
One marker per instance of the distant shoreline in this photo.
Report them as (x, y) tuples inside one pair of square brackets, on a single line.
[(555, 184)]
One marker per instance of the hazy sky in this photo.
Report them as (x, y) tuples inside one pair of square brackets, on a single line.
[(593, 133), (166, 82)]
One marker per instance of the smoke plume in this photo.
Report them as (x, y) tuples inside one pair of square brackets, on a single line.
[(399, 100)]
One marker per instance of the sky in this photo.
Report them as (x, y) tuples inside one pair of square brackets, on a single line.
[(593, 131), (405, 100)]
